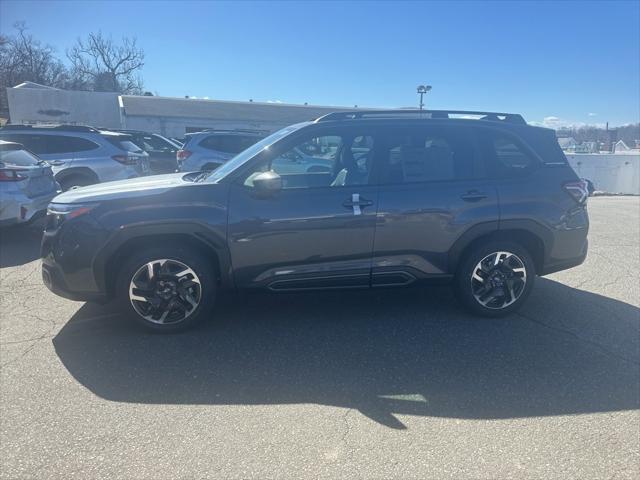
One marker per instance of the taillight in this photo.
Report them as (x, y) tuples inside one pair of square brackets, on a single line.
[(579, 190), (11, 175), (125, 159), (183, 154)]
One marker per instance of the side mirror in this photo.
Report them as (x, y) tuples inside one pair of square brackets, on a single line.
[(267, 183)]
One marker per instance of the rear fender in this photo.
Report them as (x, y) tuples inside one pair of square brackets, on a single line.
[(76, 171)]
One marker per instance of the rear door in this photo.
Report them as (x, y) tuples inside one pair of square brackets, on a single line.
[(431, 193), (317, 232)]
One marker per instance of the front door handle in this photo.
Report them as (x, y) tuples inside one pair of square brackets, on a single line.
[(357, 203), (473, 196)]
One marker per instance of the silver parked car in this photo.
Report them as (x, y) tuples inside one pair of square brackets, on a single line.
[(26, 185), (209, 149), (81, 155)]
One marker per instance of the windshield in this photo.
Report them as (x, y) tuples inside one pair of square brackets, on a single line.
[(21, 158), (251, 152)]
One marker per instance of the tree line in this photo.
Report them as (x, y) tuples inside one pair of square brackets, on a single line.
[(96, 63), (627, 133)]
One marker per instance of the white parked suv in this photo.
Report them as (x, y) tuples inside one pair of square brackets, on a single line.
[(81, 155)]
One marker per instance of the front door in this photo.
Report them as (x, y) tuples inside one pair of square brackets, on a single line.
[(317, 232)]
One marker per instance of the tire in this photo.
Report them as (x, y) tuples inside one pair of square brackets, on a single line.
[(495, 290), (71, 181), (145, 298)]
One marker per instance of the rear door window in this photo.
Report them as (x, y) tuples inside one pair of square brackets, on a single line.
[(426, 154), (53, 144)]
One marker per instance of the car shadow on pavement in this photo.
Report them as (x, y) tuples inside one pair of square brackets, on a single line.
[(20, 244), (383, 353)]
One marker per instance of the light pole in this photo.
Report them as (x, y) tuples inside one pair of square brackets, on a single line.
[(422, 89)]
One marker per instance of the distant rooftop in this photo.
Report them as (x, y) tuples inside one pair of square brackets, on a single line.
[(34, 85), (220, 109)]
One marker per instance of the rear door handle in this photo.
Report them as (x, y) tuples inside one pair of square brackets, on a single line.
[(473, 196)]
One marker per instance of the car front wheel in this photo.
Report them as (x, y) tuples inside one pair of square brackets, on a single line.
[(495, 278), (167, 289)]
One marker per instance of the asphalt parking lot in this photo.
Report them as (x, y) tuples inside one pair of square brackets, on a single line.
[(385, 384)]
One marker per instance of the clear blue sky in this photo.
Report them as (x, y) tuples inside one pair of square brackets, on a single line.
[(577, 61)]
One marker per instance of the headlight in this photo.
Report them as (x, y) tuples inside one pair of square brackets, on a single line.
[(59, 212)]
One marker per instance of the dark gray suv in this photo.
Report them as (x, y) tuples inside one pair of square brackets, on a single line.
[(395, 198)]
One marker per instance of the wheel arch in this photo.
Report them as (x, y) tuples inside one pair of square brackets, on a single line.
[(77, 172), (112, 257), (535, 238)]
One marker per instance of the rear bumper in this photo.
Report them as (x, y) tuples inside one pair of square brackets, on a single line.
[(18, 208), (566, 263)]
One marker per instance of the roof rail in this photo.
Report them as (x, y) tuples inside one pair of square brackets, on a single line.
[(423, 114), (68, 128)]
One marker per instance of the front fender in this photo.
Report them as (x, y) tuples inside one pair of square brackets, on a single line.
[(208, 238), (196, 213)]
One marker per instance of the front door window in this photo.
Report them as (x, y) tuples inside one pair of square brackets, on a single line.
[(321, 161)]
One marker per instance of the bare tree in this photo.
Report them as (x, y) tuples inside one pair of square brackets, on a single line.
[(107, 66), (23, 58)]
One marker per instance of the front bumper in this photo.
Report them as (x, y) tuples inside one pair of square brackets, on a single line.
[(54, 280), (18, 208), (68, 250)]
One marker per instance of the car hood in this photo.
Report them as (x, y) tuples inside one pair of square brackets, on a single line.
[(135, 187)]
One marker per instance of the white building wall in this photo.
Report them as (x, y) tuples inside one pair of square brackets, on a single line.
[(32, 105), (611, 173)]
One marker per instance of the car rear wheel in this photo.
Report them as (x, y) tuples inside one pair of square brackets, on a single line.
[(167, 289), (495, 278)]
